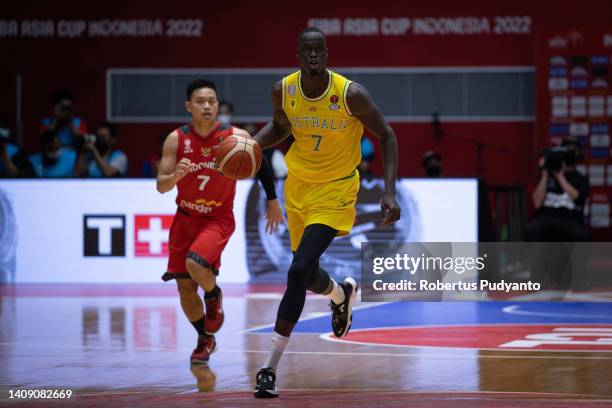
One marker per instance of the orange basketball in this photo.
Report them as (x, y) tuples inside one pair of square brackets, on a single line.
[(238, 157)]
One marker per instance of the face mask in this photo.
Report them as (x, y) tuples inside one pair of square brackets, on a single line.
[(53, 156), (224, 119), (5, 133)]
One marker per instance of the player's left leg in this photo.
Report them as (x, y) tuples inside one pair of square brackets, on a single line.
[(203, 262), (313, 242), (207, 280), (182, 233), (194, 310)]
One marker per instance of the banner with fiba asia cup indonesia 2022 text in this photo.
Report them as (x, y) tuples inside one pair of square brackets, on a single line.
[(115, 231)]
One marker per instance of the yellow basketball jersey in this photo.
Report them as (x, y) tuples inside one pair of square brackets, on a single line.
[(327, 143)]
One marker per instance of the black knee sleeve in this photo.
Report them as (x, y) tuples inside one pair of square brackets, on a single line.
[(319, 280), (315, 240), (293, 300)]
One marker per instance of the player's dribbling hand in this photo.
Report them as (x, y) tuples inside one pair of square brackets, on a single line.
[(274, 216), (182, 168), (390, 209)]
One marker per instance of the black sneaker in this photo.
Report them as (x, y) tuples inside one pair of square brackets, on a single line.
[(265, 387), (342, 314)]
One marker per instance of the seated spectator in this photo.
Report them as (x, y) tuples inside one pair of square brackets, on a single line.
[(99, 158), (64, 122), (54, 161), (13, 161)]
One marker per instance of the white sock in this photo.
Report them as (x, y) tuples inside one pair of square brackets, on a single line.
[(278, 347), (337, 293)]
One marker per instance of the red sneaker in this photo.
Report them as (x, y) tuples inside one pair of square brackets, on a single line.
[(206, 346), (214, 314)]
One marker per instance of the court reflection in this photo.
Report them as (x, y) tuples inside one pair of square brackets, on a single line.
[(120, 328), (205, 377), (104, 326)]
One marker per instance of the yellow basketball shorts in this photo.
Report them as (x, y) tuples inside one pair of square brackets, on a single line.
[(331, 203)]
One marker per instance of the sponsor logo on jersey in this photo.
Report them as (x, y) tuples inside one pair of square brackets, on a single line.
[(211, 203), (188, 148), (334, 103), (201, 208), (291, 90)]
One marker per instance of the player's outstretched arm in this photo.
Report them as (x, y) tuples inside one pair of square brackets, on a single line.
[(280, 128), (169, 170), (363, 108)]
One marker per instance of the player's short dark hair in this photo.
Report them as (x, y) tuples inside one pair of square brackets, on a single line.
[(60, 95), (199, 83), (309, 30), (112, 129)]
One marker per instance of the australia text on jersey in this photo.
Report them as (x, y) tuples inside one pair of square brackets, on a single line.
[(321, 123)]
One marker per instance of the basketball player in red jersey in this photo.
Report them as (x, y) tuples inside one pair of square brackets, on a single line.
[(204, 220)]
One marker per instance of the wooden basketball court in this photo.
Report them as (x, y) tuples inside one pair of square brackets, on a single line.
[(116, 345)]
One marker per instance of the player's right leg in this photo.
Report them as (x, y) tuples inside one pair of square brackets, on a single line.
[(342, 296)]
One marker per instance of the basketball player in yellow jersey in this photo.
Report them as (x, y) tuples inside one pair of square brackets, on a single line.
[(326, 113)]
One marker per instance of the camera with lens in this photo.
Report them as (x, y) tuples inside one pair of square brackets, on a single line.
[(78, 141), (554, 157)]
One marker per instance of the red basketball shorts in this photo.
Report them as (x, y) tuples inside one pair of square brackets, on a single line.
[(199, 238)]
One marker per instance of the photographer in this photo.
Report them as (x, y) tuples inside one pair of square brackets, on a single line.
[(98, 157), (64, 122), (559, 198), (54, 161)]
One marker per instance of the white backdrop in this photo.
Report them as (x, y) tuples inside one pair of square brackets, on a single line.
[(48, 241)]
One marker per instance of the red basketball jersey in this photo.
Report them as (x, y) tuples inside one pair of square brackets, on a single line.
[(203, 190)]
